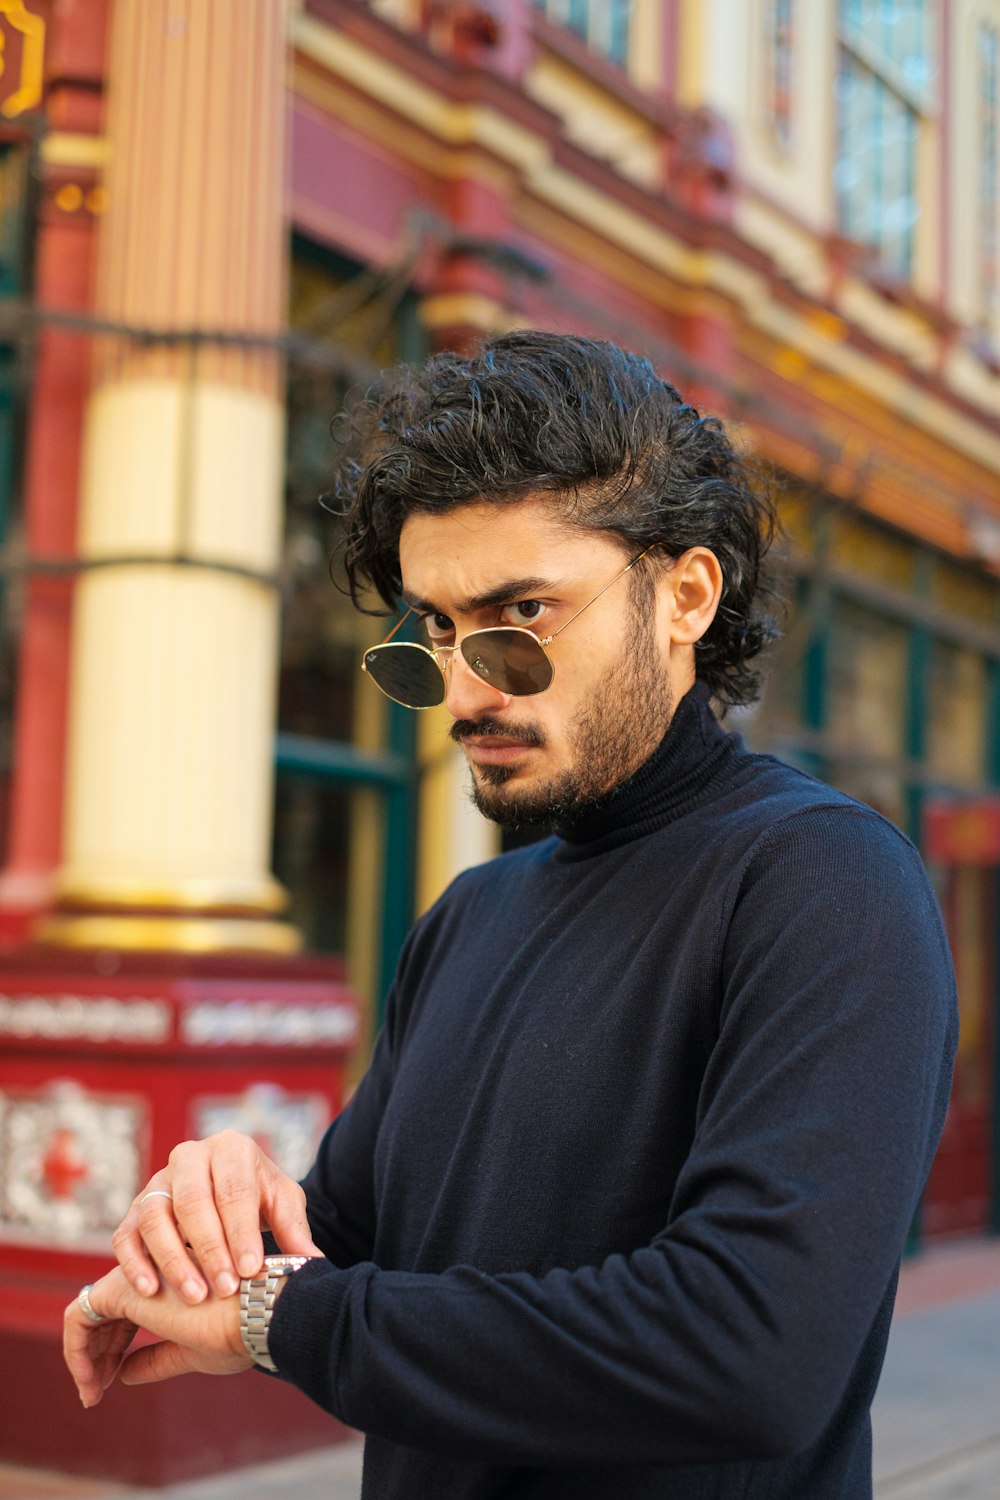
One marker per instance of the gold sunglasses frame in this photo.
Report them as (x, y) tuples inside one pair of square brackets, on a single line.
[(436, 651)]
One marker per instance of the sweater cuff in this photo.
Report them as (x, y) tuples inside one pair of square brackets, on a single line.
[(309, 1329)]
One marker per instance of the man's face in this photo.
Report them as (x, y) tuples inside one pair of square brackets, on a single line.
[(543, 757)]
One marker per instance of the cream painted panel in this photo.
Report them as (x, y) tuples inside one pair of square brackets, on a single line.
[(726, 31), (799, 176), (171, 468), (171, 756), (645, 48), (131, 470), (927, 236), (693, 50), (239, 461), (963, 158)]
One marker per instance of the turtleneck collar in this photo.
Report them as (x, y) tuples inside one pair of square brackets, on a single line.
[(673, 779)]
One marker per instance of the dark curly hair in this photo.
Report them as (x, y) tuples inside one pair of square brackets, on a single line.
[(595, 425)]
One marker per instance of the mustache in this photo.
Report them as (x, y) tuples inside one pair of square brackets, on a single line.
[(528, 734)]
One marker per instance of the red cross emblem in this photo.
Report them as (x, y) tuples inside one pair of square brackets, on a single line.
[(62, 1166)]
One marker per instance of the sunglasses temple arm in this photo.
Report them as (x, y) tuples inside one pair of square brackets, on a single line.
[(589, 602), (400, 623)]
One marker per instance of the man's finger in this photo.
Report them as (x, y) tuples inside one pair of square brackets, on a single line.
[(239, 1174), (164, 1238), (93, 1351), (285, 1206), (157, 1362), (127, 1241)]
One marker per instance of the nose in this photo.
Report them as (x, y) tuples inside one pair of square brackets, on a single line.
[(467, 695)]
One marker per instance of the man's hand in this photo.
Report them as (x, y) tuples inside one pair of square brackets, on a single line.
[(197, 1223), (205, 1338)]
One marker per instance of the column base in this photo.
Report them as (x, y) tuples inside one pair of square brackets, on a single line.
[(177, 933)]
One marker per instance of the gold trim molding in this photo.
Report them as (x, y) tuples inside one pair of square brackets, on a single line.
[(265, 896), (169, 934)]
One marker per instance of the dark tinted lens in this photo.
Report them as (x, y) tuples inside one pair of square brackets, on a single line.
[(406, 672), (512, 661)]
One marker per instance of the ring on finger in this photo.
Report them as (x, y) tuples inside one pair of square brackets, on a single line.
[(83, 1298), (157, 1193)]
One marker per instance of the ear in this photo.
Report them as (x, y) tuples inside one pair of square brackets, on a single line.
[(695, 588)]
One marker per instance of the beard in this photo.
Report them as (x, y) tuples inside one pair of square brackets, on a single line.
[(609, 739)]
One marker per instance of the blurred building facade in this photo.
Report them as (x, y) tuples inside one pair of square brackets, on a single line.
[(793, 209)]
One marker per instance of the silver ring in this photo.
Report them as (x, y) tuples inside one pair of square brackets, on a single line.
[(157, 1193), (83, 1298)]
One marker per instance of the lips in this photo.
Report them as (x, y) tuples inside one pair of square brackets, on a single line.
[(494, 749), (482, 737), (495, 742)]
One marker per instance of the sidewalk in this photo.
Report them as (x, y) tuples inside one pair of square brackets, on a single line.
[(937, 1412), (936, 1416)]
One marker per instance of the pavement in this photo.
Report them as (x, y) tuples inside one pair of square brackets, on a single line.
[(936, 1416)]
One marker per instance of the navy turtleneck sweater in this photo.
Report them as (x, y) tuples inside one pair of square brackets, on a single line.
[(617, 1211)]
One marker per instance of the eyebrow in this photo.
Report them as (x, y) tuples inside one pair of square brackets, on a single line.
[(503, 593)]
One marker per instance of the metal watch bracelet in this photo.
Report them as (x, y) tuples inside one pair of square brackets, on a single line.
[(257, 1294)]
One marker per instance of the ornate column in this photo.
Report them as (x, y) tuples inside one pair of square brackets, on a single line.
[(169, 780)]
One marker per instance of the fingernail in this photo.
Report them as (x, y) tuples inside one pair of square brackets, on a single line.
[(193, 1291), (146, 1286), (248, 1264), (226, 1284)]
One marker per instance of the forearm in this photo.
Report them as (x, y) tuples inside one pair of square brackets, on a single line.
[(664, 1356)]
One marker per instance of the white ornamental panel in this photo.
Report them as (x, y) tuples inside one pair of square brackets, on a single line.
[(71, 1162), (287, 1127)]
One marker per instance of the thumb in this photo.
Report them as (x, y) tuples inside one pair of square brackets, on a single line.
[(288, 1222)]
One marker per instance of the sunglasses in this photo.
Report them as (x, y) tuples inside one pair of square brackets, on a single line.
[(509, 658)]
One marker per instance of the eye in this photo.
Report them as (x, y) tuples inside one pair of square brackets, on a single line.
[(438, 627), (525, 612)]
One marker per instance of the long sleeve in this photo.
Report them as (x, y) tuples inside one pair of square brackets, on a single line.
[(736, 1330)]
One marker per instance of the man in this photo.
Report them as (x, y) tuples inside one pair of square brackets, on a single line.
[(618, 1209)]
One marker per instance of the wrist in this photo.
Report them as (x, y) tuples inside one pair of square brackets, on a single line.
[(257, 1297)]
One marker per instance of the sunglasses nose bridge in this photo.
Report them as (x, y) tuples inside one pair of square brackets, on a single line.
[(444, 656)]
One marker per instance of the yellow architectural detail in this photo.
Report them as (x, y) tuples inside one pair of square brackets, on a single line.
[(465, 309), (175, 934), (690, 79), (258, 897), (456, 124), (32, 28), (69, 197), (63, 148)]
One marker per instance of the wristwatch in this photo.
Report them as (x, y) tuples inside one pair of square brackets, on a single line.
[(257, 1294)]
